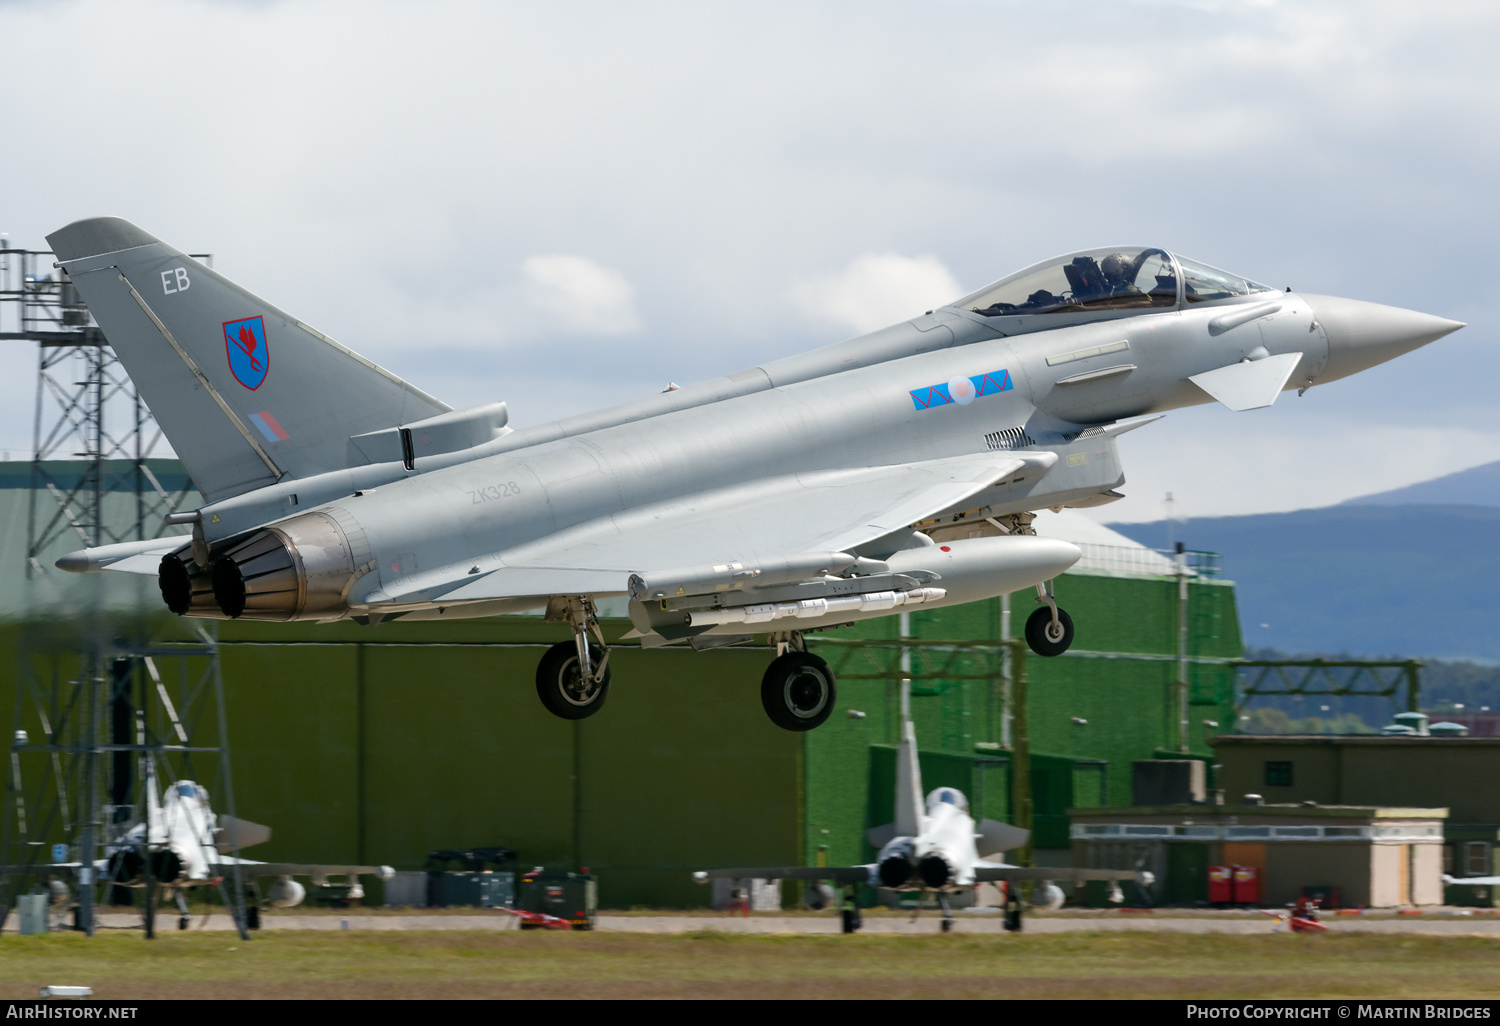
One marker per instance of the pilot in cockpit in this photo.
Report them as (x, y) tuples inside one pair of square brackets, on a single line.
[(1119, 274)]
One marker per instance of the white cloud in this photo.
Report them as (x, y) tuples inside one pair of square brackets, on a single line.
[(709, 156), (584, 295), (878, 289)]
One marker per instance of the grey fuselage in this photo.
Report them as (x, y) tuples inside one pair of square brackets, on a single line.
[(846, 405), (387, 503)]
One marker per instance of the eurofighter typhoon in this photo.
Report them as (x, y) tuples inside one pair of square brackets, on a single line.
[(896, 470)]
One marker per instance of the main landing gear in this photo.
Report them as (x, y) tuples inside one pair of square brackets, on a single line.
[(1049, 630), (797, 691), (572, 679), (850, 920), (1012, 906)]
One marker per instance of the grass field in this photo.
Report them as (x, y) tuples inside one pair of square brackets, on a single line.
[(462, 964)]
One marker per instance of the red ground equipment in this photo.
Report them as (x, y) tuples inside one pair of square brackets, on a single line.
[(1303, 917), (538, 920), (1220, 885), (1246, 885)]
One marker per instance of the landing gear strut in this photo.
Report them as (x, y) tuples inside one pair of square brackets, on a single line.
[(572, 679), (798, 690), (1012, 907), (1049, 630), (849, 918)]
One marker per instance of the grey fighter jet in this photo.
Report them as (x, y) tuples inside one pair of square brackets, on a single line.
[(935, 848), (899, 469)]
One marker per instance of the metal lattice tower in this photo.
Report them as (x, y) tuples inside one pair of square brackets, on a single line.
[(98, 723), (97, 714), (88, 413)]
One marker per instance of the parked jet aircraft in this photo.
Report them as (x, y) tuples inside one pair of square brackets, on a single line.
[(183, 843), (937, 850), (899, 469)]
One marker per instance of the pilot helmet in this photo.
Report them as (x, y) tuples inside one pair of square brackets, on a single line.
[(1118, 267)]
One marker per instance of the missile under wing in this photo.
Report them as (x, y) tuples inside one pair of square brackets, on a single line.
[(895, 470)]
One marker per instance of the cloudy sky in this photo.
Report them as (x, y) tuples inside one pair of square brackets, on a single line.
[(566, 205)]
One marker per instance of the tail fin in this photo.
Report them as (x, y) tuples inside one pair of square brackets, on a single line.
[(908, 774), (246, 394)]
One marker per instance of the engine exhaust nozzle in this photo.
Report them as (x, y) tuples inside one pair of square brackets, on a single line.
[(935, 870), (896, 871)]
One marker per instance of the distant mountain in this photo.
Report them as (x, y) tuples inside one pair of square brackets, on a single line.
[(1477, 486), (1367, 579)]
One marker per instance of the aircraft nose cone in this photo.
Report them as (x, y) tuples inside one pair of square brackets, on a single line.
[(1361, 335)]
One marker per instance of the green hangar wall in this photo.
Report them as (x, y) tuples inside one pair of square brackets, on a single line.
[(379, 744), (1119, 678)]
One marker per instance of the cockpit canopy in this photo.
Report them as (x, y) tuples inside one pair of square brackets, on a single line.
[(1127, 278), (947, 796), (188, 789)]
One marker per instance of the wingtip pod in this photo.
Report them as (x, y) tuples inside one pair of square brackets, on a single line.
[(93, 236)]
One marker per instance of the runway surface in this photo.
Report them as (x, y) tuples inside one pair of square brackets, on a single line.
[(1441, 925)]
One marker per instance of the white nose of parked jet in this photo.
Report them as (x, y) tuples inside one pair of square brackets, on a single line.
[(1361, 334)]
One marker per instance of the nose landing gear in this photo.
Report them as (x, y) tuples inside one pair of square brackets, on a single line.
[(1049, 630)]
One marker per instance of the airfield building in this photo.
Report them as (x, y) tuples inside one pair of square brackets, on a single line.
[(1394, 770)]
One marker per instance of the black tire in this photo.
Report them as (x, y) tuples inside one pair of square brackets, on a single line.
[(559, 682), (1040, 636), (1012, 909), (798, 691)]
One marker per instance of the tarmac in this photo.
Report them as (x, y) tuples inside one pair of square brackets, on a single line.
[(1445, 922)]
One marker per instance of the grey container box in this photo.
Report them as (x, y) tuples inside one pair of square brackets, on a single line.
[(471, 890), (407, 889), (31, 909)]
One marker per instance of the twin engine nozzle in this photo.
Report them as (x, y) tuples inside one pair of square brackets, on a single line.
[(129, 865), (300, 569), (934, 869)]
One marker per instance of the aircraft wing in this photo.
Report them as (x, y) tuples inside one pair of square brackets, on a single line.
[(994, 874), (315, 870), (133, 557), (838, 874), (753, 524)]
